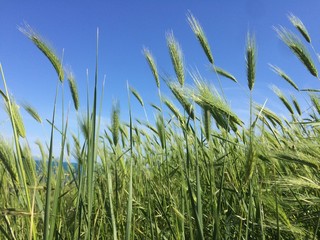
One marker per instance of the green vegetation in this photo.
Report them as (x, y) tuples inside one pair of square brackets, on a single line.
[(187, 176)]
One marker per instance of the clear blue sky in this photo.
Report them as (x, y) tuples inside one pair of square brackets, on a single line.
[(126, 27)]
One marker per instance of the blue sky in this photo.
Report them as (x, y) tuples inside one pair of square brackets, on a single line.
[(125, 28)]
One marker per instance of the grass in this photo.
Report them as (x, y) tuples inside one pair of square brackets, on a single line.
[(184, 175)]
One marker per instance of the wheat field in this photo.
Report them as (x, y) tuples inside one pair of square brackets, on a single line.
[(195, 171)]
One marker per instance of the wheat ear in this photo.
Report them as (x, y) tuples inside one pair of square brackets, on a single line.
[(282, 74), (300, 26), (152, 65), (294, 43), (176, 57), (251, 61), (73, 89), (197, 29), (44, 48)]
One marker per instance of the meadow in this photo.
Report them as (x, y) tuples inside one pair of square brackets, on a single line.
[(197, 171)]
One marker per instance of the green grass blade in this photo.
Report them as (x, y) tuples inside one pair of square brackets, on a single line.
[(92, 151), (47, 212), (130, 197)]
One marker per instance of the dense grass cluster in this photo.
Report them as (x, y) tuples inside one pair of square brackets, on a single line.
[(187, 176)]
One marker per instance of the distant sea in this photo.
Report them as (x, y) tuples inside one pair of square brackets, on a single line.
[(55, 165)]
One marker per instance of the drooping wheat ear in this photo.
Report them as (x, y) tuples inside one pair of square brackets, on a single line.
[(77, 153), (300, 26), (268, 114), (197, 29), (41, 148), (289, 157), (172, 108), (68, 148), (316, 102), (161, 130), (296, 46), (124, 134), (299, 182), (84, 126), (156, 107), (176, 57), (44, 48), (224, 73), (152, 65), (210, 100), (251, 61), (296, 104), (73, 89), (137, 95), (206, 122), (33, 113), (283, 99), (179, 94), (310, 90), (17, 119), (29, 164), (115, 122), (282, 74), (153, 129), (6, 158)]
